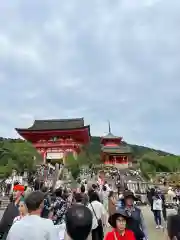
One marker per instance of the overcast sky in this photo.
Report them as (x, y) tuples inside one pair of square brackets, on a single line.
[(116, 60)]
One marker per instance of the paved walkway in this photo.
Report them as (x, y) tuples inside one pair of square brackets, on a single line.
[(154, 234)]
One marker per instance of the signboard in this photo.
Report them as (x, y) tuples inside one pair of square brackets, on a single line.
[(55, 155)]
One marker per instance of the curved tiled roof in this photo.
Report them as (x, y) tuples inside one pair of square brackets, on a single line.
[(116, 149), (57, 124), (110, 136)]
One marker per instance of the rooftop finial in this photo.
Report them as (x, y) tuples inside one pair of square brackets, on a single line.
[(109, 125)]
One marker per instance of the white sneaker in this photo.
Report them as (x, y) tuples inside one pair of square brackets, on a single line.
[(157, 227), (161, 226)]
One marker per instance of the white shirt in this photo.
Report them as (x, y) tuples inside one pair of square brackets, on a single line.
[(8, 181), (20, 179), (107, 187), (157, 204), (61, 230), (171, 193), (99, 210), (33, 228)]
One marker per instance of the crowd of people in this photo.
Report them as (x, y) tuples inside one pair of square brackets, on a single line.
[(87, 212), (38, 214)]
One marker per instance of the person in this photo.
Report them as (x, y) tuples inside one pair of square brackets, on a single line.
[(99, 216), (118, 221), (85, 198), (22, 211), (171, 195), (107, 186), (150, 195), (9, 214), (137, 224), (59, 207), (173, 223), (157, 209), (33, 226), (161, 196), (94, 187), (111, 203), (8, 183), (27, 191), (78, 198), (47, 204), (78, 221), (178, 193), (104, 197)]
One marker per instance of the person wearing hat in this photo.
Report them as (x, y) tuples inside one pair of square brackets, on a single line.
[(119, 221), (137, 225)]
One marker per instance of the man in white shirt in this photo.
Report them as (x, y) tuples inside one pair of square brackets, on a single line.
[(98, 211), (8, 185), (33, 227)]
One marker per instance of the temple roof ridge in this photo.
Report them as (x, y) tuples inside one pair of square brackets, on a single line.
[(59, 119), (55, 124)]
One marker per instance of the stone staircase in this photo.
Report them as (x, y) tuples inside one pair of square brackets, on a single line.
[(4, 201)]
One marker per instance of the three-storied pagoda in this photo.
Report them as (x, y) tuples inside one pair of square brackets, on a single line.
[(54, 139), (114, 152)]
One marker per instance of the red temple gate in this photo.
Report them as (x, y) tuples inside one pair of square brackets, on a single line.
[(54, 139)]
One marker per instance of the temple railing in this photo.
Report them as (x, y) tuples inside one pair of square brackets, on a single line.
[(140, 187)]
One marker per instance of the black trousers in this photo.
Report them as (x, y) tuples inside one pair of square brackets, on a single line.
[(8, 189), (157, 217), (97, 233)]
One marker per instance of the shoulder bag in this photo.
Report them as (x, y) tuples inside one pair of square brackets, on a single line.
[(99, 221)]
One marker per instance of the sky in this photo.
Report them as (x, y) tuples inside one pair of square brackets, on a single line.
[(103, 60)]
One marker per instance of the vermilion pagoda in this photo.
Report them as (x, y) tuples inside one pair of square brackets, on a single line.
[(114, 152), (54, 139)]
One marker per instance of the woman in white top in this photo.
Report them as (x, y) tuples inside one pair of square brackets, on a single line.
[(157, 209), (99, 216)]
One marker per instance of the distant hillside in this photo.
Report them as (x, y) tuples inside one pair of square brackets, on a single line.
[(19, 154), (149, 160), (137, 151)]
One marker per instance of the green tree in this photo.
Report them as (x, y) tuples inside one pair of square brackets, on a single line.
[(73, 165)]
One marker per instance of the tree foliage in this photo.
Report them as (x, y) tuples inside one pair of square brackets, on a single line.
[(153, 163), (74, 164), (20, 155), (17, 154)]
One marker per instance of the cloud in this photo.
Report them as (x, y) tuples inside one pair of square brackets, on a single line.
[(116, 60)]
